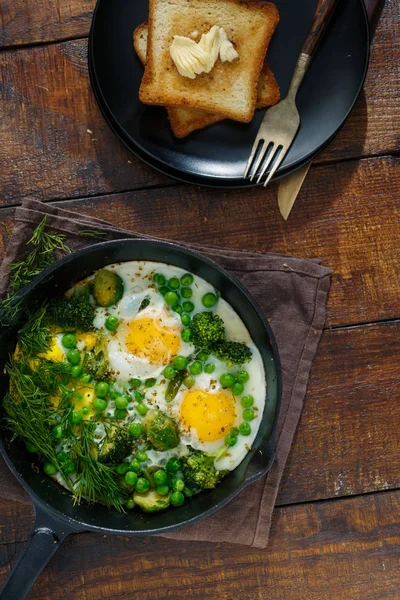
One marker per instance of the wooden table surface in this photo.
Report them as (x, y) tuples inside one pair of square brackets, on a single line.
[(336, 528)]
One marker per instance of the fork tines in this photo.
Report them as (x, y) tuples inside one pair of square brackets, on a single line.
[(264, 156)]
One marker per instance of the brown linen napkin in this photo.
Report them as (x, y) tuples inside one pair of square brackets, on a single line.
[(291, 291)]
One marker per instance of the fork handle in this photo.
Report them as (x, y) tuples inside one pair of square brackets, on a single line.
[(320, 21)]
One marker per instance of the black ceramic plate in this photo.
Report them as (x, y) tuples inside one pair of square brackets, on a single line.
[(217, 155)]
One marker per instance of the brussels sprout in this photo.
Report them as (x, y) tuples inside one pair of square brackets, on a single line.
[(151, 501), (161, 430), (108, 288)]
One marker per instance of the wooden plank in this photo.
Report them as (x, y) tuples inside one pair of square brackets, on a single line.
[(348, 436), (348, 216), (325, 551), (48, 107), (55, 142), (32, 22)]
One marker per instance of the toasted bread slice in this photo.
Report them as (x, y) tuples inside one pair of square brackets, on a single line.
[(185, 120), (230, 89)]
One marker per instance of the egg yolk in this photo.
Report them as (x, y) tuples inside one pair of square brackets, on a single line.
[(54, 352), (148, 338), (88, 338), (211, 415)]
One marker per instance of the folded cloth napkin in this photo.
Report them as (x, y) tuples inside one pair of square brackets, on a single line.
[(292, 292)]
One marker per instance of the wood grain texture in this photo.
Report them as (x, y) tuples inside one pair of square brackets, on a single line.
[(340, 550), (47, 107), (321, 19), (347, 215), (35, 21)]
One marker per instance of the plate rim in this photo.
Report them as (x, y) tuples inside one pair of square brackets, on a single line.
[(204, 180)]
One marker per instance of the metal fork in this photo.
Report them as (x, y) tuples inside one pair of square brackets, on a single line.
[(281, 122)]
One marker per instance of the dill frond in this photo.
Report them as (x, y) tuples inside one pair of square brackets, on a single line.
[(95, 482), (41, 253)]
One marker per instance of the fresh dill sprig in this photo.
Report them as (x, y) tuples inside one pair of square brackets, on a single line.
[(92, 233), (95, 482), (41, 253), (34, 336)]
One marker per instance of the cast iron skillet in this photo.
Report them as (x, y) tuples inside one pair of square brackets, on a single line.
[(56, 516)]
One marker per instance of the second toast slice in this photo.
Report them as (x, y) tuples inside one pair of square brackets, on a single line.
[(185, 120)]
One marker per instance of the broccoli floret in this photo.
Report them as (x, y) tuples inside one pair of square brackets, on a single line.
[(233, 353), (207, 330), (199, 471), (116, 447), (72, 314), (96, 362)]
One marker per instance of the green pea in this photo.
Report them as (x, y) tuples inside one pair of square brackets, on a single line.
[(69, 467), (186, 335), (174, 283), (120, 413), (135, 430), (185, 320), (86, 378), (244, 429), (112, 323), (189, 381), (237, 388), (130, 504), (74, 357), (247, 401), (188, 492), (142, 485), (180, 363), (31, 447), (162, 490), (188, 306), (178, 485), (187, 279), (76, 417), (159, 279), (122, 468), (171, 298), (49, 468), (242, 376), (58, 432), (209, 300), (163, 290), (186, 293), (177, 498), (102, 388), (141, 456), (169, 372), (69, 340), (178, 309), (121, 402), (61, 456), (173, 465), (248, 414), (160, 477), (227, 380), (235, 431), (209, 368), (139, 397), (85, 410), (203, 356), (131, 478), (99, 404), (196, 367), (142, 409), (135, 383), (67, 367), (135, 465), (230, 440), (150, 382)]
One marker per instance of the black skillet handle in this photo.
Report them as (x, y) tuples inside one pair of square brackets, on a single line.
[(47, 535)]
